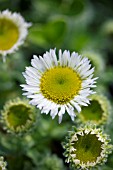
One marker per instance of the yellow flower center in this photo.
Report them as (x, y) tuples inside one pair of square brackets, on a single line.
[(9, 34), (60, 84)]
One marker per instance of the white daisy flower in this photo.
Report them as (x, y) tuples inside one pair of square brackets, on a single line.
[(13, 31), (59, 85)]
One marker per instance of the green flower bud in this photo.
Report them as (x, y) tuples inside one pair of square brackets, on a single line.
[(87, 147), (97, 112), (18, 116)]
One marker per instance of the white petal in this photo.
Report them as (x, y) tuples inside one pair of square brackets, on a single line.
[(54, 57), (36, 63), (77, 107), (70, 111), (60, 58)]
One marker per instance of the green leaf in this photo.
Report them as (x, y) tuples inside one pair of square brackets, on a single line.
[(72, 7), (55, 30), (36, 35), (49, 34)]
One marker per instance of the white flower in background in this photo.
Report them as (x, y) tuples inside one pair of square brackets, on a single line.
[(13, 31), (59, 85), (3, 164)]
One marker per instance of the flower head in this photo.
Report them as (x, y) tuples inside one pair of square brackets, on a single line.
[(59, 85), (3, 164), (97, 112), (13, 31), (87, 147), (18, 116)]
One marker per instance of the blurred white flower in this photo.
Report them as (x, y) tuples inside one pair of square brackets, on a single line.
[(13, 31)]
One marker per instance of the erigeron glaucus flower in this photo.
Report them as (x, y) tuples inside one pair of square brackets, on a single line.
[(13, 31), (87, 147), (59, 84), (17, 116), (97, 112), (3, 164)]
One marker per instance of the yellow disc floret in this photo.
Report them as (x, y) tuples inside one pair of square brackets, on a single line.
[(60, 84), (9, 34)]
